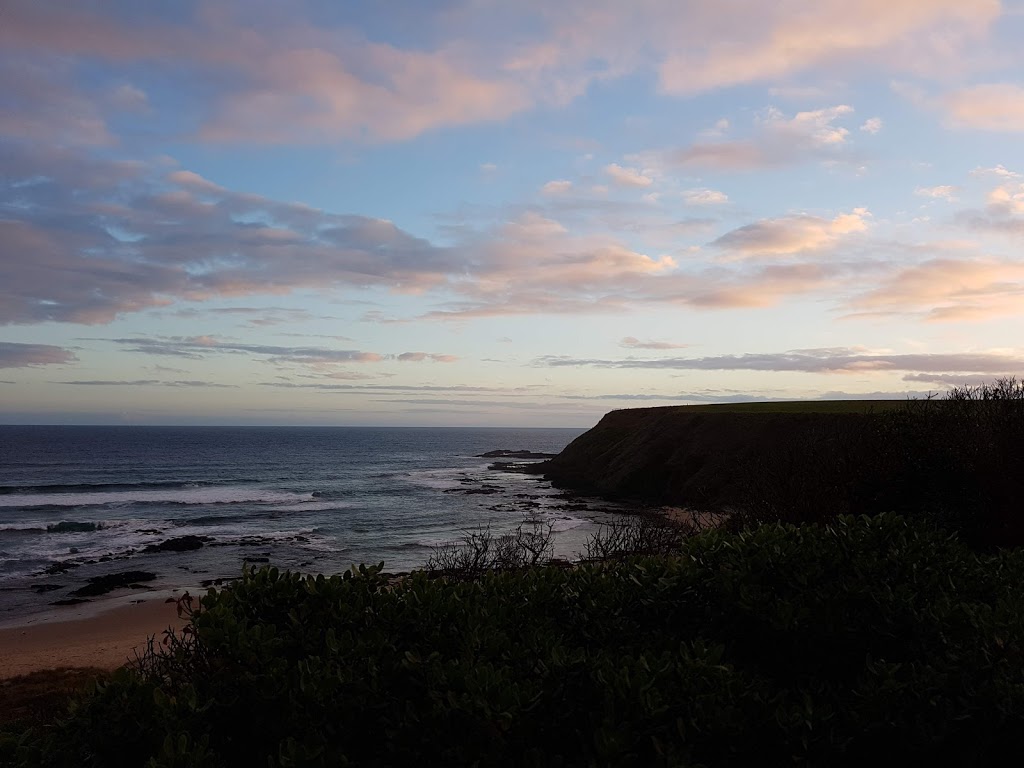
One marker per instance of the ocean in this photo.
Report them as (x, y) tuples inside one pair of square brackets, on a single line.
[(77, 503)]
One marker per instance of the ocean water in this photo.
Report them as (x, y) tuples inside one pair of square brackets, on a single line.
[(81, 502)]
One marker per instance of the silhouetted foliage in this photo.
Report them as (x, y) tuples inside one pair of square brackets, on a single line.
[(864, 640), (480, 550)]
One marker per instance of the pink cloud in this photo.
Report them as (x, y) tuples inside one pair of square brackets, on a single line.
[(791, 234), (950, 290), (989, 107)]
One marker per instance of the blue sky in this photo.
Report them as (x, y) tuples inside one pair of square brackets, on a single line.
[(499, 213)]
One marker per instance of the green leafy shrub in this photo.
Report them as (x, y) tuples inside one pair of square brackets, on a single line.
[(864, 639)]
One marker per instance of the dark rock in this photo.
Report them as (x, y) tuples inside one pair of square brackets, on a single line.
[(100, 585), (70, 601), (40, 588), (258, 559), (178, 544), (520, 454), (484, 490), (54, 568)]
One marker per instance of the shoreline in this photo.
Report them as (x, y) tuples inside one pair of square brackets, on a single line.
[(103, 635)]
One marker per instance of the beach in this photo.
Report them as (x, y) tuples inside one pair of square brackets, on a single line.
[(104, 638)]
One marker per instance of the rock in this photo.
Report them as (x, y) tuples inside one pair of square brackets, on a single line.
[(179, 544), (100, 585), (70, 601), (40, 588), (55, 568), (520, 454)]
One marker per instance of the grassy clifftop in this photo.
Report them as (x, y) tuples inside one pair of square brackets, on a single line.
[(955, 460), (701, 455)]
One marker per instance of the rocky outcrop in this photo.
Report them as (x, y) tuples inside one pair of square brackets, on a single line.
[(100, 585), (178, 544), (505, 453)]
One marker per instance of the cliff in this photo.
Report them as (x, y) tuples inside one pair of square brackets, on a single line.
[(698, 456)]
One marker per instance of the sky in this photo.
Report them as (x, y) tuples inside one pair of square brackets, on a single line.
[(496, 213)]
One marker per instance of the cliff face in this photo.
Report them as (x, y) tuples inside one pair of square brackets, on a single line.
[(690, 456)]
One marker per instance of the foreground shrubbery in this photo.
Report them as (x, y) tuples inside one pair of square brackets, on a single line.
[(868, 639)]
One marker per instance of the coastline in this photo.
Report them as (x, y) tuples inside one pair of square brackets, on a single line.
[(103, 635)]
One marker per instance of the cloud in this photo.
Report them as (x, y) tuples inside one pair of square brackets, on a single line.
[(872, 125), (317, 358), (631, 342), (129, 97), (791, 234), (950, 380), (556, 187), (825, 360), (777, 141), (419, 357), (949, 290), (88, 240), (15, 355), (199, 347), (41, 104), (779, 40), (271, 76), (943, 192), (1000, 171), (988, 107), (627, 177), (705, 197), (1007, 200), (147, 383)]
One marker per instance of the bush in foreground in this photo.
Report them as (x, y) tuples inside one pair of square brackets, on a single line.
[(866, 639)]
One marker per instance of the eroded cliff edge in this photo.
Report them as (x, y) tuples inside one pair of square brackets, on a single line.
[(702, 457)]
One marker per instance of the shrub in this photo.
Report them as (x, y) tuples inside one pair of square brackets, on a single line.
[(865, 639), (529, 545)]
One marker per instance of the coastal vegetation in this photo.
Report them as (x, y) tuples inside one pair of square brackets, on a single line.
[(860, 603), (821, 644)]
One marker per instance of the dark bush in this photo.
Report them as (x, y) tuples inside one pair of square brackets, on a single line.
[(868, 639)]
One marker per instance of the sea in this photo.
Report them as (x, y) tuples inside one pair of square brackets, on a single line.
[(82, 502)]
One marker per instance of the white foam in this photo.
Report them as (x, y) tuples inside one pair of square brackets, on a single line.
[(194, 495), (314, 506), (566, 524), (442, 479)]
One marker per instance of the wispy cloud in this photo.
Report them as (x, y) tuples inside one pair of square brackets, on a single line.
[(942, 192), (627, 177), (777, 140), (200, 347), (15, 355), (792, 234), (827, 360), (631, 342), (186, 383), (990, 107)]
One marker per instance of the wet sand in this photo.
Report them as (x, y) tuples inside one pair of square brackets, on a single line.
[(104, 638)]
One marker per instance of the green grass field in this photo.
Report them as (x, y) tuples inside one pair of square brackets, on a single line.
[(800, 406)]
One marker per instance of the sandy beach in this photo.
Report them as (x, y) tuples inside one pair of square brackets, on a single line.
[(105, 639)]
